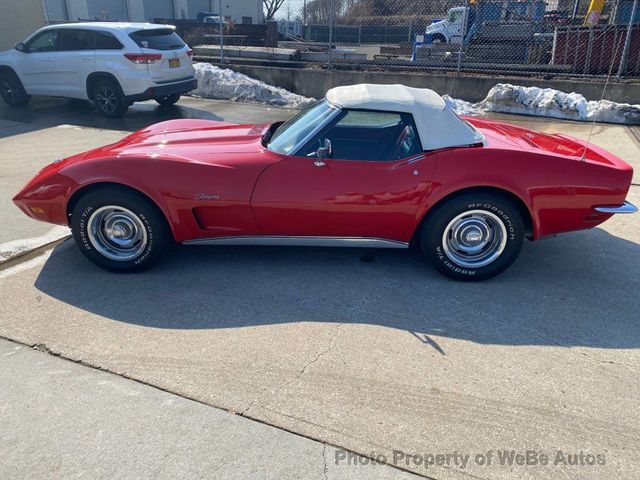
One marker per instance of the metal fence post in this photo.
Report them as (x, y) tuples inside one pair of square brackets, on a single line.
[(464, 34), (331, 22), (221, 32), (627, 40)]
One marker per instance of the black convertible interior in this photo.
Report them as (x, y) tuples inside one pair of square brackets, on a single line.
[(393, 138)]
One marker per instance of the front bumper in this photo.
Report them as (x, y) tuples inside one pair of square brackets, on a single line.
[(164, 90), (626, 207)]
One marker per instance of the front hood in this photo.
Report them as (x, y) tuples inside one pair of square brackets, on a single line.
[(188, 139), (437, 26)]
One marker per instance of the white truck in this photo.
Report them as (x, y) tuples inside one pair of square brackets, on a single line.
[(451, 29)]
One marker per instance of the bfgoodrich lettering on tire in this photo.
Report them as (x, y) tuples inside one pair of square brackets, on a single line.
[(473, 236), (119, 229)]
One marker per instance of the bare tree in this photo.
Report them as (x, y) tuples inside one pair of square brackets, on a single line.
[(272, 6)]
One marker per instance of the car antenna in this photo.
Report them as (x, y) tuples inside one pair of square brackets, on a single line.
[(606, 83)]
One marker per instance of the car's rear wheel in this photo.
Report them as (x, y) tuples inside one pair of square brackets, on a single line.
[(12, 90), (109, 99), (473, 236), (119, 230), (168, 100)]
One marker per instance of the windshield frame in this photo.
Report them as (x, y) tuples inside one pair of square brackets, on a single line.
[(310, 134)]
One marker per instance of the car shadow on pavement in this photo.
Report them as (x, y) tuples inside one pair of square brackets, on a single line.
[(44, 112), (579, 289)]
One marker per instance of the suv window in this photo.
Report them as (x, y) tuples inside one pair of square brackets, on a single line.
[(158, 39), (76, 39), (106, 41), (369, 135), (43, 42)]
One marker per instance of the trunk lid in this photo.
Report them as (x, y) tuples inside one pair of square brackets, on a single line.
[(556, 144), (175, 63)]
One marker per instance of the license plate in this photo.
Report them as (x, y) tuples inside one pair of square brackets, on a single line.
[(174, 62)]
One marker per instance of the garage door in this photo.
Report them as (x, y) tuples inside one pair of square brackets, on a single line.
[(157, 9), (56, 10), (107, 9), (196, 6)]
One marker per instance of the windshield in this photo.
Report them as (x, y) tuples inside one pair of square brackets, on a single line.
[(295, 130)]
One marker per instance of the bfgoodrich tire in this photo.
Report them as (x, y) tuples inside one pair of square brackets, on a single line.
[(473, 236), (120, 230)]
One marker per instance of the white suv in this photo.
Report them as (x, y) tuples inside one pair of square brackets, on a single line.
[(111, 64)]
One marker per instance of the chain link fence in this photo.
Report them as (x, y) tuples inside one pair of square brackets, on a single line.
[(506, 37)]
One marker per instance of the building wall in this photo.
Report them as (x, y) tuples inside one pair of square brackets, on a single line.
[(234, 9), (146, 10), (18, 20), (237, 9)]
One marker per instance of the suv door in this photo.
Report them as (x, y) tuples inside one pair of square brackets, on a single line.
[(371, 186), (175, 62), (74, 61), (36, 68)]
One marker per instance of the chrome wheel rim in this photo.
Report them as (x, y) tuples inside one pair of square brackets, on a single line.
[(106, 99), (474, 239), (117, 233)]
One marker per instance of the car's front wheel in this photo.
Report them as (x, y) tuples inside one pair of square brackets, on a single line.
[(168, 100), (473, 236), (119, 230), (12, 90), (109, 99)]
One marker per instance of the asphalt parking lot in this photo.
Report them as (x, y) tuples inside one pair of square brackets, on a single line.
[(371, 351)]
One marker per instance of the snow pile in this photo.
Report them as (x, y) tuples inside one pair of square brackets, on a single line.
[(462, 107), (548, 102), (225, 84)]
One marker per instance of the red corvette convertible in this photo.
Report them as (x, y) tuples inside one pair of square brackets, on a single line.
[(368, 166)]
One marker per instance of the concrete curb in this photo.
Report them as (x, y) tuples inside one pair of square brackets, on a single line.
[(15, 249)]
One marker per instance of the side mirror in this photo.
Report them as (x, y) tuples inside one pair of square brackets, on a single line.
[(325, 151), (21, 47)]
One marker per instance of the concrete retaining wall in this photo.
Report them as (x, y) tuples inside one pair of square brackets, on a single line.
[(315, 83)]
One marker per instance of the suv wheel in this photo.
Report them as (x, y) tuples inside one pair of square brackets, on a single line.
[(12, 91), (108, 98), (168, 100)]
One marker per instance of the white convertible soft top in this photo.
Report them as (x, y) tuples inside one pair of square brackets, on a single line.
[(438, 126)]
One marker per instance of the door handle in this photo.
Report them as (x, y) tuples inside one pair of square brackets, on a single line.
[(319, 163)]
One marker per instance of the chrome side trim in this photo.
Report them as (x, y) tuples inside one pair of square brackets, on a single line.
[(358, 242), (416, 158), (626, 207)]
